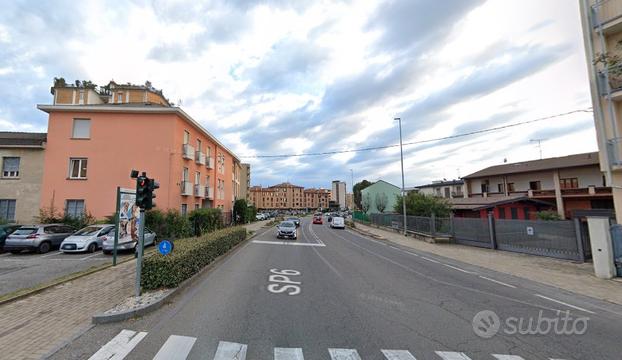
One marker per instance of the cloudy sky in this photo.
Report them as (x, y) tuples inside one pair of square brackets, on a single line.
[(298, 76)]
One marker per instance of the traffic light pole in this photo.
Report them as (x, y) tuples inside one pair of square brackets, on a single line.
[(139, 249)]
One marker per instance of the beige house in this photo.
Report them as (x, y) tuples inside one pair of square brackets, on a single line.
[(22, 172), (443, 188), (245, 181), (602, 36)]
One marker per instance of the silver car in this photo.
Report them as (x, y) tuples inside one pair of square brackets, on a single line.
[(88, 239), (108, 244), (39, 238)]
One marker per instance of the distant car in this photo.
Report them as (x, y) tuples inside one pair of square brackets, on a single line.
[(260, 217), (318, 220), (5, 231), (287, 229), (108, 244), (338, 223), (39, 238), (293, 219), (89, 239)]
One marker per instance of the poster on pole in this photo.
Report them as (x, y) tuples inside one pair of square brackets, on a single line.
[(129, 215)]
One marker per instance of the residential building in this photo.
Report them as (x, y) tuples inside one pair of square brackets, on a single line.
[(245, 181), (22, 170), (515, 206), (350, 201), (380, 197), (568, 183), (91, 149), (602, 32), (286, 196), (317, 198), (443, 188), (338, 193), (87, 93)]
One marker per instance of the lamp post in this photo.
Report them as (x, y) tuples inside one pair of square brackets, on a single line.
[(352, 187), (399, 120)]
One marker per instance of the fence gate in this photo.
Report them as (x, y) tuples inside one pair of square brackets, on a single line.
[(472, 231)]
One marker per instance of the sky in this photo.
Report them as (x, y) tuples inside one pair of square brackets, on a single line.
[(298, 76)]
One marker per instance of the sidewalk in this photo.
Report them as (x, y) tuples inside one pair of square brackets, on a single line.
[(575, 277), (32, 327)]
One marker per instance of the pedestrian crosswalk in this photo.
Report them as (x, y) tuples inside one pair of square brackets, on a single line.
[(179, 347)]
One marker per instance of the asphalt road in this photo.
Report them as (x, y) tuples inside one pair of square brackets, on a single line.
[(339, 295)]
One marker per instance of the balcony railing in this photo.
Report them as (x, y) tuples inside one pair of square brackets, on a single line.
[(199, 157), (209, 192), (199, 190), (605, 12), (186, 188), (209, 162), (614, 150), (188, 151)]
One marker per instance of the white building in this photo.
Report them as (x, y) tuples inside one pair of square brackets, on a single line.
[(338, 193)]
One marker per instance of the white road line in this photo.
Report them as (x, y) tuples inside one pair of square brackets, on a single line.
[(344, 354), (286, 243), (175, 347), (450, 355), (51, 254), (90, 256), (498, 282), (288, 354), (507, 357), (230, 351), (398, 355), (459, 269), (119, 346), (431, 260), (563, 303), (5, 254)]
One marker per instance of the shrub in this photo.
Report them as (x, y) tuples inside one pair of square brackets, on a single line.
[(423, 205), (51, 216), (239, 211), (205, 220), (188, 258), (251, 213), (548, 215), (168, 225)]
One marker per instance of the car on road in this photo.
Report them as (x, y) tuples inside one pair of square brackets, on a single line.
[(89, 239), (5, 231), (129, 244), (294, 219), (260, 217), (318, 219), (338, 223), (287, 229), (39, 238)]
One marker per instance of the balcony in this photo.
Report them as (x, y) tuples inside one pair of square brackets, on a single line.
[(199, 157), (187, 152), (209, 162), (209, 192), (199, 190), (186, 188), (614, 152), (610, 81), (608, 15)]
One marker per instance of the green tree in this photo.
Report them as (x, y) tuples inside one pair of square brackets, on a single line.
[(381, 201), (205, 220), (239, 211), (366, 203), (357, 192), (422, 205), (251, 213), (548, 215)]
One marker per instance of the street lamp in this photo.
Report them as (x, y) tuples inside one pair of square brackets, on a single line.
[(352, 187), (399, 120)]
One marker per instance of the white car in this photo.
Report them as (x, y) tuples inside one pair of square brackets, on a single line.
[(89, 239), (338, 223), (260, 217)]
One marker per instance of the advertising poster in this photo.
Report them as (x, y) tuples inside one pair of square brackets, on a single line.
[(129, 215)]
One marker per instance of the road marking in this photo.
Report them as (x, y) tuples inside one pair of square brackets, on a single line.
[(288, 354), (51, 254), (398, 355), (563, 303), (498, 282), (507, 357), (5, 254), (230, 351), (90, 256), (344, 354), (286, 243), (459, 269), (119, 346), (175, 347), (431, 260), (317, 238), (281, 283), (450, 355)]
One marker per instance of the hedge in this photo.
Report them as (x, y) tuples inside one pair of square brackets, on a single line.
[(189, 256)]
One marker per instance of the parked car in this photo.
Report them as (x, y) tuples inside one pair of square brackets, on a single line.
[(89, 239), (108, 244), (318, 219), (295, 220), (39, 238), (5, 231), (287, 229), (338, 223), (260, 217)]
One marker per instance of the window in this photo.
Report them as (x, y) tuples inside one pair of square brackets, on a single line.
[(198, 145), (10, 167), (81, 99), (7, 209), (526, 211), (120, 97), (501, 213), (184, 209), (186, 137), (438, 191), (196, 206), (570, 183), (74, 208), (484, 187), (511, 187), (197, 177), (221, 164), (459, 189), (534, 185), (77, 168), (81, 129), (446, 192), (500, 188), (514, 213), (185, 175)]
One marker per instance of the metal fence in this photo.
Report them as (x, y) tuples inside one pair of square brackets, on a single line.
[(472, 231), (433, 226)]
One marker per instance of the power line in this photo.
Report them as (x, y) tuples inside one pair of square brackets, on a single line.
[(422, 141)]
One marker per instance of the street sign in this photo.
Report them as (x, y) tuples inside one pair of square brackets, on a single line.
[(165, 247), (529, 230)]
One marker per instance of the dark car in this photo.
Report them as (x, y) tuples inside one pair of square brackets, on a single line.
[(5, 231), (295, 220)]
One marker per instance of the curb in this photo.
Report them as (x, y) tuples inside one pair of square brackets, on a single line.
[(103, 318)]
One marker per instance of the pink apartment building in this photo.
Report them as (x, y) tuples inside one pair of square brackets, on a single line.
[(93, 145)]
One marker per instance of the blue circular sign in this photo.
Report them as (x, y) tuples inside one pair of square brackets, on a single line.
[(165, 247)]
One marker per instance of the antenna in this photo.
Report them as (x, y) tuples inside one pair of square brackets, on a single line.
[(539, 141)]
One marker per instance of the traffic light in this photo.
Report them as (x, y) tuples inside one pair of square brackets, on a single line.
[(142, 191), (152, 185)]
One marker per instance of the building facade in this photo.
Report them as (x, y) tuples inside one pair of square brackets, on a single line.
[(380, 197), (245, 181), (338, 193), (568, 183), (92, 148), (286, 196), (22, 170), (445, 189), (602, 32)]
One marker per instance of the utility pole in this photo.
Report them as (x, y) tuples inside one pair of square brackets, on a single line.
[(539, 141), (402, 163), (352, 187)]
